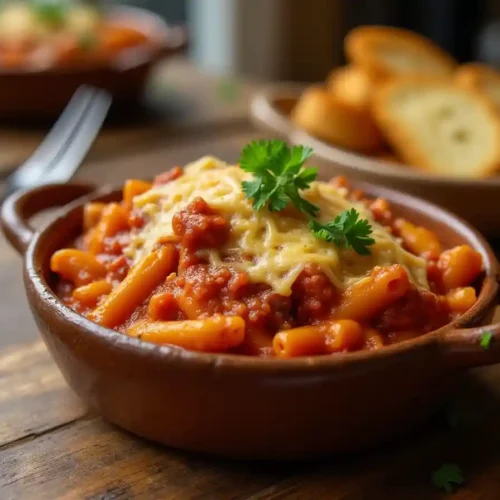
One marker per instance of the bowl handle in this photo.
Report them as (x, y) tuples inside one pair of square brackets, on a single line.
[(469, 347), (19, 207)]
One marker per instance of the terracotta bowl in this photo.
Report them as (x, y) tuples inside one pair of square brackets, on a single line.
[(243, 407), (44, 93), (473, 199)]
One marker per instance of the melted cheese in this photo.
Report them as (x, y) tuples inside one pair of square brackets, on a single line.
[(275, 245)]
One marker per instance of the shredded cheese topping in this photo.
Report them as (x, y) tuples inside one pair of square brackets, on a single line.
[(272, 247)]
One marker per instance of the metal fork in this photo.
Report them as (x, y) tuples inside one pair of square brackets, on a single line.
[(66, 145)]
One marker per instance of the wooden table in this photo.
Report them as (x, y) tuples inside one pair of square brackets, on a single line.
[(52, 447)]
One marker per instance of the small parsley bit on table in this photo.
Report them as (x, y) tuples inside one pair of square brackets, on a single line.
[(279, 176), (486, 339), (448, 477)]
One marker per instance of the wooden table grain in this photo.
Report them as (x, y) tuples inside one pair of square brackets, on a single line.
[(53, 447)]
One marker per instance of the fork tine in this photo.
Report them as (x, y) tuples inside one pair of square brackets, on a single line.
[(70, 158), (58, 136)]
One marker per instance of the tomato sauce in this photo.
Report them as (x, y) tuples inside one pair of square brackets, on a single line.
[(201, 290)]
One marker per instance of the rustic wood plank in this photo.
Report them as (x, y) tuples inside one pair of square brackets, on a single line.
[(92, 459), (33, 394)]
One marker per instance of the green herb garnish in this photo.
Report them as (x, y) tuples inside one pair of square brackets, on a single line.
[(52, 12), (278, 175), (347, 230), (448, 477), (486, 339)]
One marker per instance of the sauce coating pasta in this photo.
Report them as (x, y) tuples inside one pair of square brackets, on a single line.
[(170, 265)]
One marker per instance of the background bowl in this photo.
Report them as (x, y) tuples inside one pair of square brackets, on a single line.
[(472, 199), (45, 92)]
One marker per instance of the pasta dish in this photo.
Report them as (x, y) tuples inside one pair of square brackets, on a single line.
[(45, 34), (276, 246), (261, 259)]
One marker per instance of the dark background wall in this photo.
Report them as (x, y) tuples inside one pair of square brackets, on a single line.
[(173, 10), (454, 24), (468, 29)]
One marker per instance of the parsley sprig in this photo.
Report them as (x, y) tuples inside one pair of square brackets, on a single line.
[(347, 230), (278, 178), (278, 175), (448, 477)]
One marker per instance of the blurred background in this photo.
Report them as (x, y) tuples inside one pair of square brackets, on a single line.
[(233, 46), (273, 39)]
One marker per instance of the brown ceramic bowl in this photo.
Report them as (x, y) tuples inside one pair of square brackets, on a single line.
[(244, 407), (473, 199), (44, 93)]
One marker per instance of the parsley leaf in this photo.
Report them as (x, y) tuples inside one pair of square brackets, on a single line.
[(347, 230), (447, 477), (486, 339), (53, 12), (278, 175)]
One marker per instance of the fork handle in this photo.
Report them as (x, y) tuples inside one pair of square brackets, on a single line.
[(19, 207)]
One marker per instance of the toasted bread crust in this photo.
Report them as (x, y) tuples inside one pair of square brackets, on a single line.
[(404, 141), (471, 75), (351, 85), (323, 116), (476, 76), (361, 47)]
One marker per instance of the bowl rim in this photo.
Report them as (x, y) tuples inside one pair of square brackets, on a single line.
[(266, 114), (34, 279), (164, 36)]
